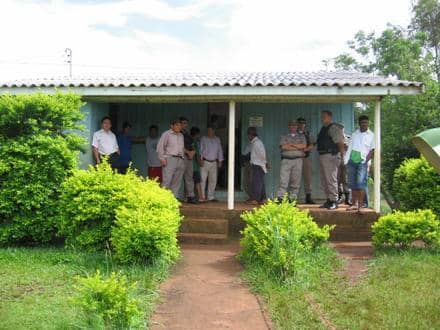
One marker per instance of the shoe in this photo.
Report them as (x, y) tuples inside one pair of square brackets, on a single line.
[(332, 206), (213, 200), (192, 200), (348, 199), (339, 201), (325, 205), (279, 200), (309, 199)]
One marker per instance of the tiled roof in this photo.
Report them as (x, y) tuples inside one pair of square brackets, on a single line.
[(225, 79)]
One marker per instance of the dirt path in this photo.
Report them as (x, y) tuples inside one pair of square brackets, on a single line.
[(206, 292), (356, 255)]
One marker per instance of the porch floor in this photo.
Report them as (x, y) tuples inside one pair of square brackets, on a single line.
[(213, 222)]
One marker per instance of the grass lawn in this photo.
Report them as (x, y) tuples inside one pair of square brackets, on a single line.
[(36, 285), (401, 291)]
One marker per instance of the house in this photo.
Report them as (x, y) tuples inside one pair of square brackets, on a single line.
[(233, 101)]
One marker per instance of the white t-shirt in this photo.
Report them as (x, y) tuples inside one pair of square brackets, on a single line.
[(105, 142), (152, 157), (362, 142), (258, 153)]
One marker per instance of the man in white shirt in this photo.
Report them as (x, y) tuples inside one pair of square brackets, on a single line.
[(211, 155), (104, 143), (154, 168), (259, 167), (359, 153)]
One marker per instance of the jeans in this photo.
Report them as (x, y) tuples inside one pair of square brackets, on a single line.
[(357, 175)]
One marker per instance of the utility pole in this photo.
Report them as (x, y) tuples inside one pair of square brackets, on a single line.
[(68, 52)]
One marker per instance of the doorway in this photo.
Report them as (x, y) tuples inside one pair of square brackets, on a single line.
[(218, 117)]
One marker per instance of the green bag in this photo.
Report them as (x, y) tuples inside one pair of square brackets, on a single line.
[(356, 157)]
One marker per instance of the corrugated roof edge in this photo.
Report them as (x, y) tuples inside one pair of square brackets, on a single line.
[(217, 79)]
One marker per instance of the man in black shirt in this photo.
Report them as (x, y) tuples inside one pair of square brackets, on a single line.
[(188, 160)]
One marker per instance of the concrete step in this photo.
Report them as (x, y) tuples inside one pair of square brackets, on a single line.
[(207, 226), (201, 212), (202, 238)]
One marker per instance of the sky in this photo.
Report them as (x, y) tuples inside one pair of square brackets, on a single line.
[(109, 37)]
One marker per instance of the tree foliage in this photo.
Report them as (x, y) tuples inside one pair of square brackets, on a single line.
[(426, 18)]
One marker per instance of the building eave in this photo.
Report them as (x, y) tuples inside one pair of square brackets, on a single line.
[(225, 93)]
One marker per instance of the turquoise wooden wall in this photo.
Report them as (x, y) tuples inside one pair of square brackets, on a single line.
[(93, 113), (275, 118), (142, 116)]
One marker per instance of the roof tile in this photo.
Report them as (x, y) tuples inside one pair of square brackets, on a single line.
[(222, 79)]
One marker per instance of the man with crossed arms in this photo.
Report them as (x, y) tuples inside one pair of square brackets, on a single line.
[(292, 147)]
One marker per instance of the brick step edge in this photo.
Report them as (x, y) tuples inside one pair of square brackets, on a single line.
[(206, 226), (201, 238)]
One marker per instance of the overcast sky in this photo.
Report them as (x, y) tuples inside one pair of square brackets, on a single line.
[(134, 36)]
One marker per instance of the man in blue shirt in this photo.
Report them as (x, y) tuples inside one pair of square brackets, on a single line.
[(124, 143)]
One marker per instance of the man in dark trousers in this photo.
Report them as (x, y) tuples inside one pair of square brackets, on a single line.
[(331, 152), (259, 167), (188, 160)]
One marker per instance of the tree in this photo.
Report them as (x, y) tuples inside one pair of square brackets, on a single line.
[(427, 19)]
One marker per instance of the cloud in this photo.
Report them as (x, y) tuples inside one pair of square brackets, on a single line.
[(140, 35)]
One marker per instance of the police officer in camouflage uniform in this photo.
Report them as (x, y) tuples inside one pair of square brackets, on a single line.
[(331, 152), (292, 147)]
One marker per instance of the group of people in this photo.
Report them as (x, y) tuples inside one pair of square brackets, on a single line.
[(187, 163), (177, 156), (343, 163)]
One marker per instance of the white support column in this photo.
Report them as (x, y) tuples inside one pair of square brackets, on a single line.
[(377, 160), (231, 155)]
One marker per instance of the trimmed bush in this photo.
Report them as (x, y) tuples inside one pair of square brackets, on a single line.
[(403, 228), (137, 218), (146, 229), (106, 302), (417, 186), (88, 203), (36, 156), (280, 236)]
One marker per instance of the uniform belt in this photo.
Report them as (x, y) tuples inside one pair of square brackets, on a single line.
[(177, 156), (210, 161), (293, 157), (325, 152)]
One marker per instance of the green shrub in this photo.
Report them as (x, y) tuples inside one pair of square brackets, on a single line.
[(403, 228), (137, 218), (146, 229), (417, 186), (280, 236), (36, 156), (88, 203), (107, 303)]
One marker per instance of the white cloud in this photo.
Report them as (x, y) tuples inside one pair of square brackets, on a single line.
[(253, 35)]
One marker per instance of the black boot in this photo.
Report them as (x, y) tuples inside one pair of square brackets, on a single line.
[(348, 199), (339, 201), (309, 199)]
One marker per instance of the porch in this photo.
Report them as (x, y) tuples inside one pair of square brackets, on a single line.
[(268, 89)]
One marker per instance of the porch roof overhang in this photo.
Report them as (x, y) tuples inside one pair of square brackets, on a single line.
[(340, 86)]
